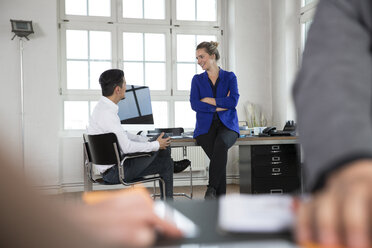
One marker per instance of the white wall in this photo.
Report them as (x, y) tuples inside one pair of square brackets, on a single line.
[(250, 52), (41, 99), (285, 27), (260, 39)]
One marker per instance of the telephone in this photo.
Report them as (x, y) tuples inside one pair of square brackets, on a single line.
[(290, 126), (288, 130), (268, 131)]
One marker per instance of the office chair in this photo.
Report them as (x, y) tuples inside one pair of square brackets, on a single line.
[(178, 131), (105, 149)]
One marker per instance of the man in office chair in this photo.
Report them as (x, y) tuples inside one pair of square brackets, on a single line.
[(105, 119)]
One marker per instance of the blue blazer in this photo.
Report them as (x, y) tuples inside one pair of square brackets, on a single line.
[(201, 88)]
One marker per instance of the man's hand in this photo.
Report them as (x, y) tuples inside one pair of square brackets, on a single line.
[(209, 100), (341, 214), (163, 142), (124, 221)]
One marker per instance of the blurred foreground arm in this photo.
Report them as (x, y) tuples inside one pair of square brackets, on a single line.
[(333, 94), (28, 220), (341, 213)]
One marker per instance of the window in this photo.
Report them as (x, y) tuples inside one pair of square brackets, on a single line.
[(87, 54), (196, 10), (187, 66), (144, 9), (153, 41), (88, 7), (145, 59), (307, 12)]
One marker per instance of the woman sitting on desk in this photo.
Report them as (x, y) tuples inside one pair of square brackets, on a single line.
[(214, 96)]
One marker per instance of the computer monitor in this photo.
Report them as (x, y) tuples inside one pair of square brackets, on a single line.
[(135, 111)]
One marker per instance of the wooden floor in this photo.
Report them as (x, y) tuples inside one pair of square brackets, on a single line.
[(198, 193)]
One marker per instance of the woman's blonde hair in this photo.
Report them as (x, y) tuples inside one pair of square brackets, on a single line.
[(210, 48)]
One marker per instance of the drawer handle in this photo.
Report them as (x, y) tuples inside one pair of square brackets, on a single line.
[(275, 158), (276, 191), (276, 174), (275, 147), (276, 170)]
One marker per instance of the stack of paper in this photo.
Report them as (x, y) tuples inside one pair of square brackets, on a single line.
[(255, 213)]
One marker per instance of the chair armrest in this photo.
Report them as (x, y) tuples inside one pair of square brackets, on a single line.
[(137, 155)]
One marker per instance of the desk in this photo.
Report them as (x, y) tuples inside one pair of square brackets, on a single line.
[(204, 215), (244, 156), (244, 153)]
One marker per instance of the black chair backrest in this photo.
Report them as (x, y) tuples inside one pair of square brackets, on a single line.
[(175, 131), (102, 149), (86, 146)]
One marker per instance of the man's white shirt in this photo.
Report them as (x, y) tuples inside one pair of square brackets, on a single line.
[(105, 119)]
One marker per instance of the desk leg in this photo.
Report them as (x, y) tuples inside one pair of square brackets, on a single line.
[(184, 150), (245, 169)]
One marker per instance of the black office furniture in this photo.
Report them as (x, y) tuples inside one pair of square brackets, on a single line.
[(275, 168), (104, 149)]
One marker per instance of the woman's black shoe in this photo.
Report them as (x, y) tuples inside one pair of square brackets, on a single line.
[(181, 165), (211, 194)]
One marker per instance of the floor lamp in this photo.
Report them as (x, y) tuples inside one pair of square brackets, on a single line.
[(22, 29)]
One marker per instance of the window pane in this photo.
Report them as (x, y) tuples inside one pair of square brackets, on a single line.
[(185, 72), (155, 47), (206, 10), (133, 46), (99, 8), (92, 106), (186, 48), (76, 114), (184, 115), (160, 113), (185, 10), (76, 7), (96, 69), (133, 73), (154, 9), (77, 75), (132, 9), (304, 30), (100, 45), (76, 44), (155, 76), (201, 38)]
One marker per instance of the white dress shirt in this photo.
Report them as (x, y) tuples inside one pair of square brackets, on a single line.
[(105, 119)]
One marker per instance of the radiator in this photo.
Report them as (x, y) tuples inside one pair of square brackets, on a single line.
[(199, 161)]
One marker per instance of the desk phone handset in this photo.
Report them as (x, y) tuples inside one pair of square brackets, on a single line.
[(268, 131)]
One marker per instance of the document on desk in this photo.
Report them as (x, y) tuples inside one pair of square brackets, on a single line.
[(255, 213), (187, 227)]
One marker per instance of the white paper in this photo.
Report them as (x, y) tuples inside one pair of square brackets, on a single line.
[(255, 213), (187, 227)]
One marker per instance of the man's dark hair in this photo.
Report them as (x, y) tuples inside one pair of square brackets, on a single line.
[(110, 79)]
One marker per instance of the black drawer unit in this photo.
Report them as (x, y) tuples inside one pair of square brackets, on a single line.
[(275, 168)]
